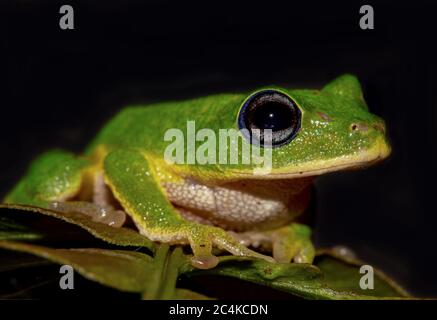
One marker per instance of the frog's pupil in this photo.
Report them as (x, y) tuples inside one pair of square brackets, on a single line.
[(272, 110), (272, 115)]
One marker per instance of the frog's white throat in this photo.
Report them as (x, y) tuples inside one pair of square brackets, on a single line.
[(240, 205)]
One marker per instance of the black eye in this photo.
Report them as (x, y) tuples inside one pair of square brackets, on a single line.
[(270, 109)]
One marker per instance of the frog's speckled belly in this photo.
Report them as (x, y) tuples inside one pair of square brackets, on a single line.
[(241, 205)]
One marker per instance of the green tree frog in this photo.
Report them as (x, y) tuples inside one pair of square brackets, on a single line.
[(222, 205)]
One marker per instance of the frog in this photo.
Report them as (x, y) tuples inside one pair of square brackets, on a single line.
[(215, 207)]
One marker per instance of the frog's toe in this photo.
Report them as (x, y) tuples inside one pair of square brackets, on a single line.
[(293, 243), (204, 262), (106, 215), (283, 251), (202, 238), (305, 253), (225, 241), (201, 243)]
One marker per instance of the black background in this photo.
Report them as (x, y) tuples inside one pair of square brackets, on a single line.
[(61, 86)]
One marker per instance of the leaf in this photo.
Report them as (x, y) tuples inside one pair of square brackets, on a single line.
[(118, 236), (120, 269), (185, 294), (16, 261), (167, 264), (332, 277), (342, 273), (303, 280), (9, 229), (124, 270)]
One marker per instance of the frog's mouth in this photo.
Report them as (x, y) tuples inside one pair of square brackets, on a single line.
[(379, 151)]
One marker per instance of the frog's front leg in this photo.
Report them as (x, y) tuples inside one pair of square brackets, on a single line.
[(54, 176), (57, 177), (104, 214), (133, 182)]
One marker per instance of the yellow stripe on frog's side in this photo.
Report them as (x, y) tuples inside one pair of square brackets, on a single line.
[(379, 150)]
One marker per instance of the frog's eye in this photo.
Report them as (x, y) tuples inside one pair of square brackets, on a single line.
[(269, 109)]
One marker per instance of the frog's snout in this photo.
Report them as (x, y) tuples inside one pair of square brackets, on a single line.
[(375, 131), (364, 127)]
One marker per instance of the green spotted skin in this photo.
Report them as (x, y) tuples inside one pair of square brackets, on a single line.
[(328, 118)]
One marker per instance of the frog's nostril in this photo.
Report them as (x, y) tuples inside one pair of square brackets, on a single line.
[(359, 127)]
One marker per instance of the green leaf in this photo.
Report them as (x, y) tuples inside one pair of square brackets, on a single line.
[(342, 273), (166, 271), (185, 294), (120, 269), (118, 236), (332, 277), (9, 229), (303, 280), (16, 261)]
